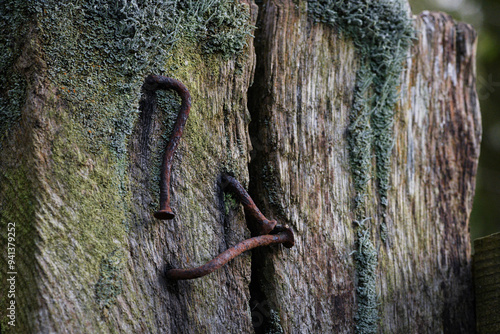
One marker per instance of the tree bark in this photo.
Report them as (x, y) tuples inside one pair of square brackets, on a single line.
[(80, 168)]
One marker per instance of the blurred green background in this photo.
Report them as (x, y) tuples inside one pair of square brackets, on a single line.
[(484, 16)]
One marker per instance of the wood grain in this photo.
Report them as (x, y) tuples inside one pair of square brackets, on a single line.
[(303, 91), (277, 118)]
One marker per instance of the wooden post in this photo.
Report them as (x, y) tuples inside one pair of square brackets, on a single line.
[(487, 283), (341, 122)]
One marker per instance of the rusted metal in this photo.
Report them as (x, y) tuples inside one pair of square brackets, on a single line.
[(283, 236), (153, 83), (259, 222)]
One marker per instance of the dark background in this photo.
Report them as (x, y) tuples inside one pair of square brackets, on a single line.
[(484, 16)]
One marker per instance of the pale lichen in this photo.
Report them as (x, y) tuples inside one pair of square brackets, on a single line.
[(14, 21), (95, 55), (382, 32)]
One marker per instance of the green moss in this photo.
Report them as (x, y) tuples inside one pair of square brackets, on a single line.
[(110, 282), (18, 206), (91, 187), (382, 33), (97, 54), (230, 203)]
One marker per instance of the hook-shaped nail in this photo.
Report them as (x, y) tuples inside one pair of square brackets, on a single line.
[(264, 225), (153, 83), (284, 236)]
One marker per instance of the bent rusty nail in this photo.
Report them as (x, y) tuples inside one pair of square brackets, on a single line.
[(285, 237), (153, 83), (264, 225)]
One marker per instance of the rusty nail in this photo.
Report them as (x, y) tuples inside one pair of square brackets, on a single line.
[(264, 225), (153, 83), (284, 236)]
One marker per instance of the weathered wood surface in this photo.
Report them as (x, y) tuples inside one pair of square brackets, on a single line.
[(438, 137), (487, 283), (300, 105), (424, 273), (91, 255)]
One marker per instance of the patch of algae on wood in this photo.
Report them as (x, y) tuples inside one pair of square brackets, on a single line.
[(96, 55)]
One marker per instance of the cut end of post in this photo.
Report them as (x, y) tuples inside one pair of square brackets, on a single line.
[(164, 214)]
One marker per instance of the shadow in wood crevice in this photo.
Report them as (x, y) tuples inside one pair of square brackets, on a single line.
[(265, 317), (263, 302)]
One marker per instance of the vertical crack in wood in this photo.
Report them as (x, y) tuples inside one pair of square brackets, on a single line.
[(263, 302)]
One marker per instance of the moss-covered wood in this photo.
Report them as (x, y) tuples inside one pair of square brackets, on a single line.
[(80, 164), (82, 143)]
